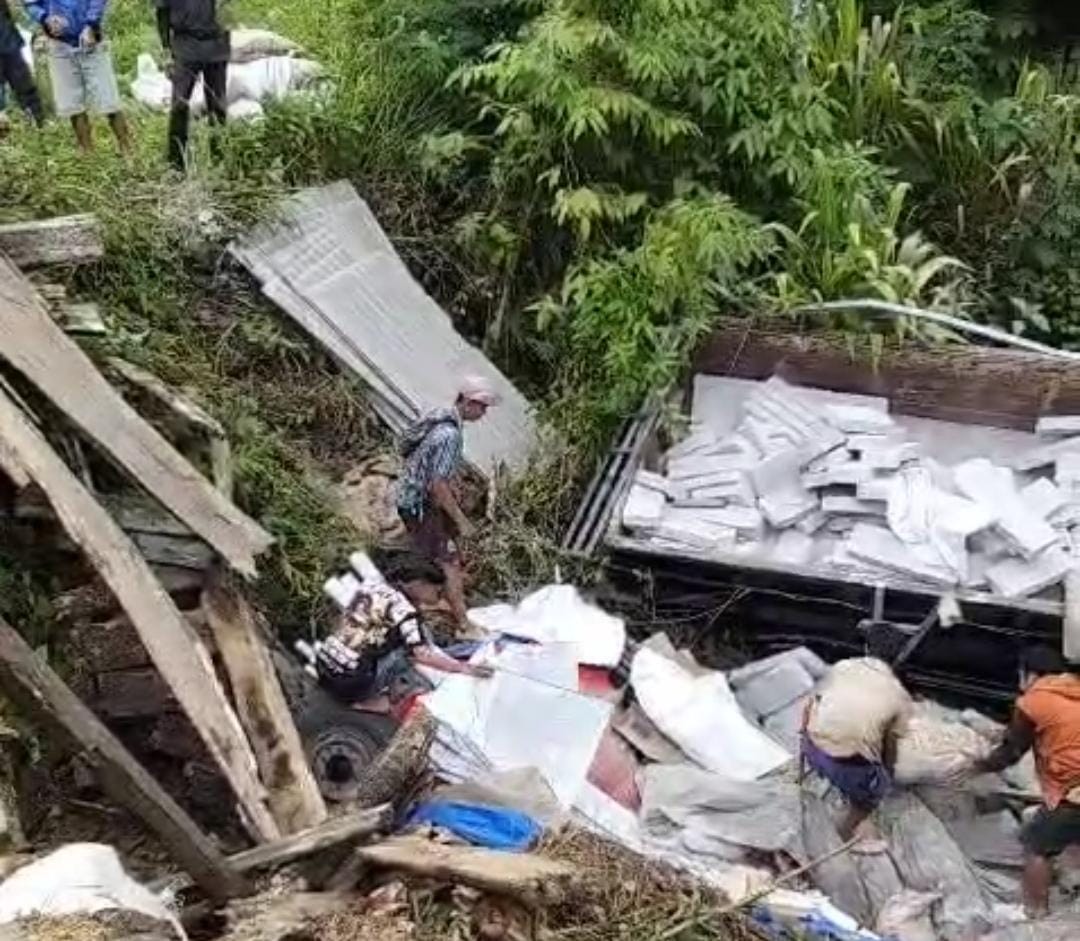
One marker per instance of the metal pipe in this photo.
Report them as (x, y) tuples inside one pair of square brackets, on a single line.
[(944, 320)]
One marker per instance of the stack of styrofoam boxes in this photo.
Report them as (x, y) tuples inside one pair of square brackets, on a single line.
[(798, 470)]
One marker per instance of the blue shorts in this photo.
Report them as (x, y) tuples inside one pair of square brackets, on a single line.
[(863, 783)]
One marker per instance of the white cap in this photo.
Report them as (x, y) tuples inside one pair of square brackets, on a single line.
[(478, 389)]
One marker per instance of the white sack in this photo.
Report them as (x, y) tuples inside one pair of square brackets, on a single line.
[(78, 878), (935, 750), (702, 717), (271, 78), (150, 86), (249, 44), (906, 916), (243, 109), (557, 614)]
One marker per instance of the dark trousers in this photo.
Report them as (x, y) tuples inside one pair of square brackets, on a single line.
[(184, 76), (16, 73)]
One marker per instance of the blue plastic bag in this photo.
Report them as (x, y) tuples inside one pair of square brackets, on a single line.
[(497, 828)]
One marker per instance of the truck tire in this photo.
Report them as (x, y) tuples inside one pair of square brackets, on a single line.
[(340, 743)]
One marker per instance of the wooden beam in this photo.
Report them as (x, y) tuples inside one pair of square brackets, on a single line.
[(336, 831), (346, 828), (221, 465), (970, 384), (295, 800), (32, 342), (532, 879), (47, 700), (173, 645), (65, 240)]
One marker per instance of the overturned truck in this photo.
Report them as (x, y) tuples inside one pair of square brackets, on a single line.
[(817, 494)]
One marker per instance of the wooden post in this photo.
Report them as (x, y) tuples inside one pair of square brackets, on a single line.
[(47, 699), (295, 800), (173, 645)]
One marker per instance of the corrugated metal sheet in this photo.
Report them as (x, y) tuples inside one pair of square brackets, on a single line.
[(327, 263)]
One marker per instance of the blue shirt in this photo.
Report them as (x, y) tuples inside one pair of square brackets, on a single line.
[(432, 447), (77, 14)]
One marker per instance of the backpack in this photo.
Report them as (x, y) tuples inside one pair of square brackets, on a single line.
[(412, 437)]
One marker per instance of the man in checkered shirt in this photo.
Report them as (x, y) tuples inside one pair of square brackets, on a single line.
[(432, 448)]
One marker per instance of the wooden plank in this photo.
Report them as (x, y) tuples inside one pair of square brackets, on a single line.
[(971, 384), (336, 831), (34, 344), (346, 828), (65, 240), (173, 645), (221, 464), (295, 800), (531, 878), (47, 700)]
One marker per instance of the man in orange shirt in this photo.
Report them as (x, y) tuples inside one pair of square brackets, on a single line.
[(1047, 719)]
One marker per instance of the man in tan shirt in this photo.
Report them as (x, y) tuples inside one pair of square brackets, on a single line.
[(850, 732)]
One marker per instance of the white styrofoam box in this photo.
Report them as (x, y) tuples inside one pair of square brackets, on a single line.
[(788, 508), (851, 473), (858, 419), (812, 522), (881, 547), (794, 547), (1044, 454), (644, 508), (1058, 426), (852, 506), (1017, 578), (1044, 498), (890, 458)]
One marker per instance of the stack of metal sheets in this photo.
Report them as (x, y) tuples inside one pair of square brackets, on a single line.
[(326, 261)]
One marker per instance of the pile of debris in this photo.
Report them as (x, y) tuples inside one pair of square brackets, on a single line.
[(697, 769), (810, 479)]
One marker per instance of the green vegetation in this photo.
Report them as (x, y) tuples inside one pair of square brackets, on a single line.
[(587, 187)]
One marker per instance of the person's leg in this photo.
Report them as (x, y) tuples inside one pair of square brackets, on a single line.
[(103, 92), (852, 820), (84, 135), (69, 92), (215, 76), (455, 591), (863, 785), (21, 79), (121, 131), (183, 84), (1038, 874), (1047, 835)]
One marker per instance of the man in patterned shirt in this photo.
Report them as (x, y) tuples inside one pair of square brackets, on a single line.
[(381, 635), (432, 448)]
